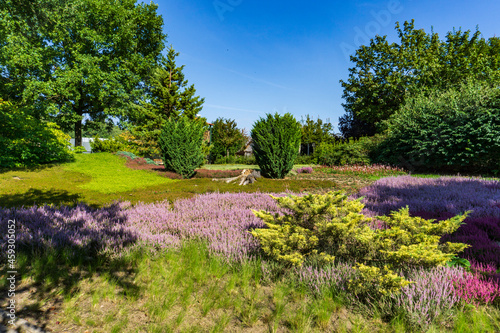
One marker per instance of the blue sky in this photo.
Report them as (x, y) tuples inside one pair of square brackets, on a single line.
[(248, 58)]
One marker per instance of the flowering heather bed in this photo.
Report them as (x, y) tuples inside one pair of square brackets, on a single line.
[(305, 170), (441, 198), (373, 169), (430, 297), (220, 219)]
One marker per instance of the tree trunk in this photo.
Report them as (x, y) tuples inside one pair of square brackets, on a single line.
[(78, 133)]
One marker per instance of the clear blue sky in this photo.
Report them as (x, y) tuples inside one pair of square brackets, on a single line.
[(248, 58)]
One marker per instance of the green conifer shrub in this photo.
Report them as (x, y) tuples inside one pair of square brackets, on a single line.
[(322, 228), (181, 144), (276, 142)]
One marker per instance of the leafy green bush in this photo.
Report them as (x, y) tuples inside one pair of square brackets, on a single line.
[(181, 144), (321, 228), (452, 130), (306, 159), (79, 150), (27, 141), (348, 153), (227, 139), (352, 152), (112, 145), (276, 142)]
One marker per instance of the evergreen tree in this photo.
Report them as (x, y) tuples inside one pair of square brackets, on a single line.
[(181, 143), (276, 142), (168, 96)]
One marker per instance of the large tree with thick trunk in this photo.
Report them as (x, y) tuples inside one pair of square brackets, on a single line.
[(75, 59)]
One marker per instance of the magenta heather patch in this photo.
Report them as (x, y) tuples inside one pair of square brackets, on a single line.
[(222, 220), (80, 227), (442, 198), (431, 296), (305, 170), (477, 289)]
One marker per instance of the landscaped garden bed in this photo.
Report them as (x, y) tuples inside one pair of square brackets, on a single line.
[(116, 248)]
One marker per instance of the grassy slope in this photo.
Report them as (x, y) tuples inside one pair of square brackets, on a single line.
[(110, 175), (99, 179)]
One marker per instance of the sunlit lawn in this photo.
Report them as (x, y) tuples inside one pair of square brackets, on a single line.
[(99, 179)]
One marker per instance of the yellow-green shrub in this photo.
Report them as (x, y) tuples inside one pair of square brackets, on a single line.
[(324, 227)]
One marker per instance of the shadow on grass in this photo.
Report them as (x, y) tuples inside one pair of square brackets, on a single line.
[(57, 248), (39, 197), (36, 168)]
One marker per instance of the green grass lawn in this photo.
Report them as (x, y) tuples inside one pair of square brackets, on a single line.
[(99, 179), (109, 174)]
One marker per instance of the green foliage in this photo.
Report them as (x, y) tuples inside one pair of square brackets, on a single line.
[(385, 74), (317, 131), (276, 142), (167, 96), (112, 145), (181, 144), (27, 141), (67, 59), (322, 228), (227, 139), (459, 262), (343, 153), (79, 150), (169, 91), (451, 130), (306, 159)]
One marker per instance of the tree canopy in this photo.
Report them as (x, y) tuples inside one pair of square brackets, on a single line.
[(316, 131), (385, 74), (74, 58), (227, 139)]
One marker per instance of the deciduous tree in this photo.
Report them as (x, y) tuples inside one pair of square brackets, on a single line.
[(227, 139), (74, 58), (385, 74)]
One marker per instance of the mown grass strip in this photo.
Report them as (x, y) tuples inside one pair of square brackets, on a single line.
[(110, 175)]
